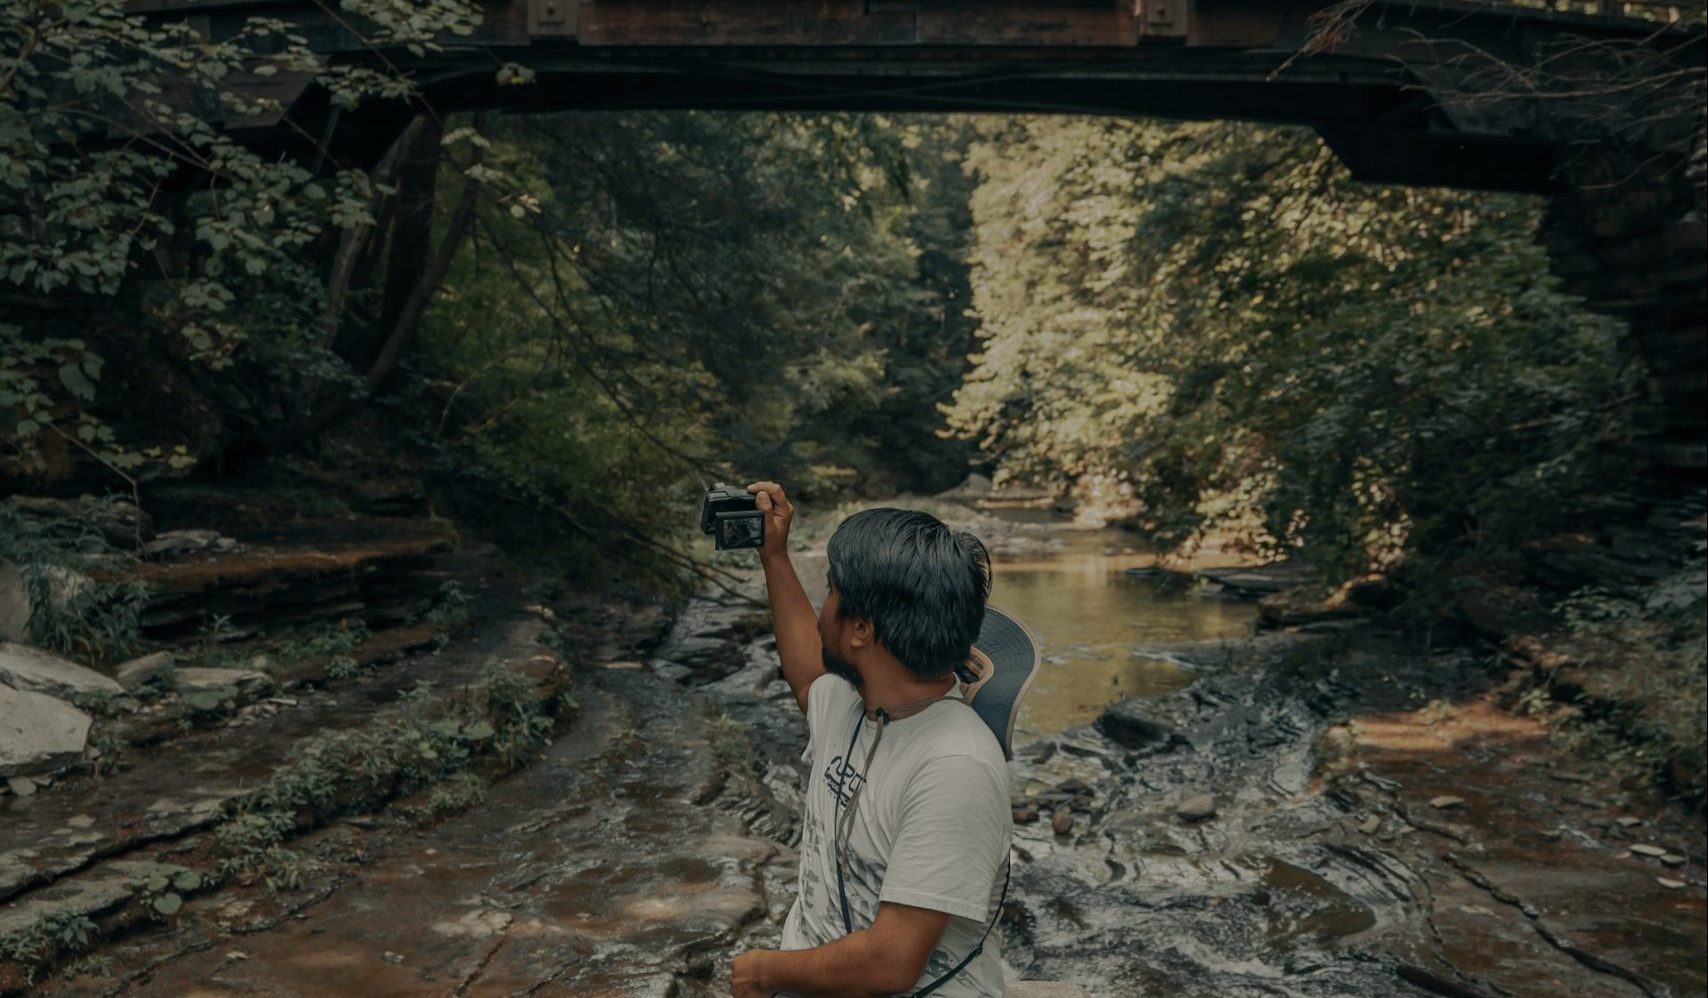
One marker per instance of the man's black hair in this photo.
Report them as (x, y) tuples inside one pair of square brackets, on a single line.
[(922, 585)]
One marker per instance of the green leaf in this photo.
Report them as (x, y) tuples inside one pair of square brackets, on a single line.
[(72, 377), (189, 880), (168, 904)]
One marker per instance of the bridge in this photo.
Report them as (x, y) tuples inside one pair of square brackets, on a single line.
[(1599, 110)]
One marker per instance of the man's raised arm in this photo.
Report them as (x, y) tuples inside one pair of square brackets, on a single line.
[(791, 612)]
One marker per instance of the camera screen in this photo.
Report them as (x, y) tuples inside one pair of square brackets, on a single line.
[(740, 530)]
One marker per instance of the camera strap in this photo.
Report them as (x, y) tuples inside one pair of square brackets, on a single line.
[(845, 828)]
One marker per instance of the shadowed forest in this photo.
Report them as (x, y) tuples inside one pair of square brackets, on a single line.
[(378, 483)]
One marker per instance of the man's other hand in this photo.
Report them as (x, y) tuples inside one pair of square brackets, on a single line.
[(744, 976), (771, 501)]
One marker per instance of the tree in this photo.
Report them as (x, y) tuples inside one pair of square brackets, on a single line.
[(1217, 318)]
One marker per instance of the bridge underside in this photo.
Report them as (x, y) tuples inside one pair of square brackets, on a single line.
[(1384, 129), (1380, 94)]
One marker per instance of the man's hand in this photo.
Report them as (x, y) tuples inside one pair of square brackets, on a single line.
[(778, 512), (744, 976)]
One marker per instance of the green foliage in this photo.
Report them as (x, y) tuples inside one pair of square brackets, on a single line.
[(1212, 324), (128, 215), (1648, 653), (162, 887), (216, 646), (698, 295), (731, 742), (48, 940), (357, 770), (450, 612), (68, 564), (456, 795)]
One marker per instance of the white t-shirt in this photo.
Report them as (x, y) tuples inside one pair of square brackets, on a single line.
[(932, 829)]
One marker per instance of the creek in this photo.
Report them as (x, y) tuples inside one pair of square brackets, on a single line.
[(655, 838), (1100, 626)]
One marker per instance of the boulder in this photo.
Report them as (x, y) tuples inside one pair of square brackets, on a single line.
[(246, 681), (171, 543), (1199, 808), (38, 733), (137, 671), (1124, 724), (23, 667)]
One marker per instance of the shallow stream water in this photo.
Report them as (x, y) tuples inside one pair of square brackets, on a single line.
[(1098, 626)]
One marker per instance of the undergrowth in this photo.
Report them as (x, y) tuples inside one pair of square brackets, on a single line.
[(425, 745), (1645, 656), (64, 561), (49, 940)]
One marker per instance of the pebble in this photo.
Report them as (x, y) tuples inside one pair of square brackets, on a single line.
[(1669, 883), (1445, 801), (1644, 849), (1673, 859), (1369, 825), (393, 958), (1629, 822), (1062, 823), (1199, 808), (1025, 813), (23, 786)]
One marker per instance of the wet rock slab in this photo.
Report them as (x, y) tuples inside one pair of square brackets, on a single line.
[(589, 873), (34, 669)]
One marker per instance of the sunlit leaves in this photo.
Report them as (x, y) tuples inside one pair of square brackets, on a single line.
[(1217, 317)]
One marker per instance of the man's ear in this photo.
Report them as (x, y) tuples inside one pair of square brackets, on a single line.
[(860, 632)]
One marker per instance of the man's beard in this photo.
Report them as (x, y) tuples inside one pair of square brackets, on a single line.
[(841, 668)]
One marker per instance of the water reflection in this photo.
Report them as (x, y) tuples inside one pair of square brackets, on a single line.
[(1092, 617)]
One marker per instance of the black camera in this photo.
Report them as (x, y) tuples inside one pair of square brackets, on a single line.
[(732, 517)]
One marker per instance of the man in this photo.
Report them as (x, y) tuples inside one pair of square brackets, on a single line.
[(907, 826)]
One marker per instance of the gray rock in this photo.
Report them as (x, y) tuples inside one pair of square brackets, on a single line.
[(38, 733), (1025, 812), (1044, 989), (25, 668), (246, 681), (137, 671), (1124, 724), (1062, 823), (1074, 787), (23, 786), (1199, 808), (172, 543), (673, 672)]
